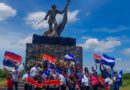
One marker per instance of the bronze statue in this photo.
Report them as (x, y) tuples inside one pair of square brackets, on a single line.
[(58, 28)]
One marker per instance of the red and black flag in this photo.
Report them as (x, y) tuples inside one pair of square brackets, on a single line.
[(97, 58)]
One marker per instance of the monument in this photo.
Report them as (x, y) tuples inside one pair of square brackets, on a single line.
[(51, 42)]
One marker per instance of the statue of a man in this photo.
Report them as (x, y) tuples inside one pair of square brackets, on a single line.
[(52, 18)]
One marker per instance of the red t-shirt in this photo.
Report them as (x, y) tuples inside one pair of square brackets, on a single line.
[(94, 80), (9, 83)]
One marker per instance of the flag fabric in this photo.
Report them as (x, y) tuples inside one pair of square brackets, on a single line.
[(13, 57), (49, 58), (97, 58), (52, 82), (104, 59), (107, 60), (69, 57), (35, 83), (46, 73), (9, 63), (53, 68), (46, 82), (58, 71)]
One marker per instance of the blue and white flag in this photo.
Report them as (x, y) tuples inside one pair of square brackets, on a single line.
[(46, 74), (107, 60), (68, 57), (58, 71)]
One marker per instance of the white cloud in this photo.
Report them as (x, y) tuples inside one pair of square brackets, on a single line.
[(126, 51), (72, 16), (33, 18), (97, 45), (6, 11), (14, 41), (25, 40)]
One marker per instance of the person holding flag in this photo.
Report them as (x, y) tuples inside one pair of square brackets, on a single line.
[(15, 77)]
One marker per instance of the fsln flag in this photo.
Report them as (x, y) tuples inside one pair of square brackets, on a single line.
[(69, 57), (49, 58), (97, 58), (9, 63), (13, 57), (107, 60)]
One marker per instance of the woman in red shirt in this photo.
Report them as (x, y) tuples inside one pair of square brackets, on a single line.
[(9, 83)]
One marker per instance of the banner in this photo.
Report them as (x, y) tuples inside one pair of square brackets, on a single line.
[(49, 58), (34, 82), (52, 82), (45, 83)]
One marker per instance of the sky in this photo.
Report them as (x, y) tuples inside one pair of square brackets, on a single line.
[(100, 26)]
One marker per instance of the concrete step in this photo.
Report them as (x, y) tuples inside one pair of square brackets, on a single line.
[(20, 85)]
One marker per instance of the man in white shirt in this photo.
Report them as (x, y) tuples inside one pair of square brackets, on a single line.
[(33, 71), (85, 83), (25, 76), (15, 76), (63, 81)]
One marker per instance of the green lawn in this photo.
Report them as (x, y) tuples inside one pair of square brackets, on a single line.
[(2, 82), (126, 83)]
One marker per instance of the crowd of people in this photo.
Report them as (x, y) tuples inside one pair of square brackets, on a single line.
[(70, 74)]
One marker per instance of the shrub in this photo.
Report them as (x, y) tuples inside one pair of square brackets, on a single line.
[(2, 74)]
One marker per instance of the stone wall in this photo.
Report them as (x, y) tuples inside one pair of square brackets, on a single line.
[(34, 51)]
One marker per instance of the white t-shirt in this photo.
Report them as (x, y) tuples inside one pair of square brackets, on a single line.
[(85, 80), (109, 81), (25, 76), (62, 79), (15, 74), (33, 71)]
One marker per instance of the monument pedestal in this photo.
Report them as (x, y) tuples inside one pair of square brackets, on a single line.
[(56, 47)]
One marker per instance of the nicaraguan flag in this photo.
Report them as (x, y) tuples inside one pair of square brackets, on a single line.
[(68, 57), (107, 60), (46, 74), (58, 71)]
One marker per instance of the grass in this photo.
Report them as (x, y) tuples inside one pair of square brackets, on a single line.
[(2, 82), (126, 82)]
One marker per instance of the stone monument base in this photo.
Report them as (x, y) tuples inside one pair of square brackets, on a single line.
[(35, 50), (56, 47), (64, 41)]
